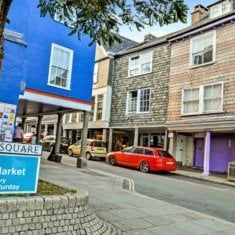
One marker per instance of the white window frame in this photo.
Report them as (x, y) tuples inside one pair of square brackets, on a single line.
[(221, 9), (138, 102), (201, 109), (140, 63), (70, 51), (95, 73), (196, 38), (222, 97), (199, 101)]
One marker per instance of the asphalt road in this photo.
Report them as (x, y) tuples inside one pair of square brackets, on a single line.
[(209, 198)]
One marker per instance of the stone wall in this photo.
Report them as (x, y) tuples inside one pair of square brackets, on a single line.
[(50, 215), (157, 81)]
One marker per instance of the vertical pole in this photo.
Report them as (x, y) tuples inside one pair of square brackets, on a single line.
[(39, 125), (58, 133), (81, 161), (104, 135), (23, 124), (136, 136), (166, 140), (46, 130), (110, 139), (55, 128), (206, 165)]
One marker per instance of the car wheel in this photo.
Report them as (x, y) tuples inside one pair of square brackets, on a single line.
[(88, 156), (70, 152), (144, 167), (112, 161)]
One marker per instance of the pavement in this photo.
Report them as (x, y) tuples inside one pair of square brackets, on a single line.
[(213, 178), (129, 211)]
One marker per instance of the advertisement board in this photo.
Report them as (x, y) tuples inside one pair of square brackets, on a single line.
[(19, 168)]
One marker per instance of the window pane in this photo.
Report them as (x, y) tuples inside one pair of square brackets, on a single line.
[(95, 75), (213, 98), (208, 105), (92, 109), (144, 100), (134, 61), (99, 107), (139, 150), (202, 49), (208, 56), (60, 67), (146, 68), (191, 94), (128, 150), (217, 91), (148, 152), (132, 102), (191, 107), (208, 92)]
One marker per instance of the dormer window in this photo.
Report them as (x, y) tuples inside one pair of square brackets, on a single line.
[(220, 9)]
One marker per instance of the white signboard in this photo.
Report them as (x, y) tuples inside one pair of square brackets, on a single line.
[(22, 149)]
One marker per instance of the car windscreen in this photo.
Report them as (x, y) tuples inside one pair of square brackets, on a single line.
[(100, 144), (163, 153)]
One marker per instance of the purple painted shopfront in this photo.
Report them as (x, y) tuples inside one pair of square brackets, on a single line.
[(222, 152)]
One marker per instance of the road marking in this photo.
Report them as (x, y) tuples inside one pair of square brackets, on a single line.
[(219, 189)]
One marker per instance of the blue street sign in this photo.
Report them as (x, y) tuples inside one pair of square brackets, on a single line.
[(18, 173)]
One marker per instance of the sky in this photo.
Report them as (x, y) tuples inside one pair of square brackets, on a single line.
[(160, 31)]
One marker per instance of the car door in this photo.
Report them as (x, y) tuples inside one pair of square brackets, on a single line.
[(136, 157), (122, 157), (77, 148)]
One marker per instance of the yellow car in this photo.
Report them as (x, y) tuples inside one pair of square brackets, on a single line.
[(95, 149)]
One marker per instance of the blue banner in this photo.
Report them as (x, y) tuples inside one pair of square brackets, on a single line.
[(18, 173)]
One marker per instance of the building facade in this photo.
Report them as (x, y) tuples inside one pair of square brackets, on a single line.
[(45, 71), (201, 108), (99, 122), (140, 95)]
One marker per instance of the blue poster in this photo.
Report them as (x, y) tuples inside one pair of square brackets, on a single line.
[(18, 173)]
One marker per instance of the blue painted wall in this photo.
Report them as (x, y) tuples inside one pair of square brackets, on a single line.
[(13, 72), (39, 34)]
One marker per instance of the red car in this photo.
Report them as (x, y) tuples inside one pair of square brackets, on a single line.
[(143, 158)]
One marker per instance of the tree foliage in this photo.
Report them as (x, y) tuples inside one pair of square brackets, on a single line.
[(100, 18)]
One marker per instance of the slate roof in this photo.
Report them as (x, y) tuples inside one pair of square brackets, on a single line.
[(14, 37), (164, 39), (120, 46)]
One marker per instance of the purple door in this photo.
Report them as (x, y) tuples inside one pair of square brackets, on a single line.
[(199, 153), (220, 153)]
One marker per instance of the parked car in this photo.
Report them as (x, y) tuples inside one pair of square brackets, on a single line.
[(95, 149), (48, 143), (27, 139), (143, 158)]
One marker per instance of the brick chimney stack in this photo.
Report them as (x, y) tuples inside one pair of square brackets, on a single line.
[(200, 12)]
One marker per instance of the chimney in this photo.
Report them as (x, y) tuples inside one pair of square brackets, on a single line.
[(200, 12), (149, 37)]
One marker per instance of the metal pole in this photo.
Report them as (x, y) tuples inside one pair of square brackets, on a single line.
[(81, 161), (39, 125), (110, 140), (58, 133)]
